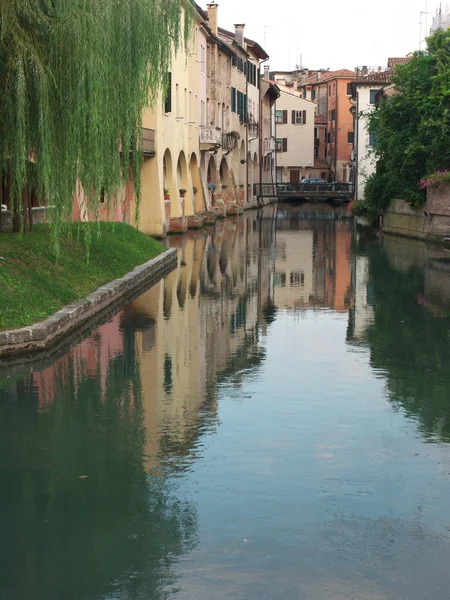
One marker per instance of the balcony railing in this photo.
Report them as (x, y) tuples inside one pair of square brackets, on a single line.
[(210, 136), (148, 141)]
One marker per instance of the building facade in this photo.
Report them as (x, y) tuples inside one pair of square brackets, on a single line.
[(294, 135), (365, 93)]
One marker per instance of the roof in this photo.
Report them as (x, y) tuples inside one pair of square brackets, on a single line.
[(254, 46), (377, 77), (284, 89), (393, 62), (344, 73), (320, 120)]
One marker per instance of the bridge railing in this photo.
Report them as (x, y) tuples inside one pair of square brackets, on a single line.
[(303, 189)]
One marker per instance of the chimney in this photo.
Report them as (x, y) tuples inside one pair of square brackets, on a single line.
[(212, 17), (266, 73), (239, 34)]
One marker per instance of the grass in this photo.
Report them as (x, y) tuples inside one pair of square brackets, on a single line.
[(34, 284)]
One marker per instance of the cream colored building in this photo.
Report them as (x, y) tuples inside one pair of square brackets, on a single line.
[(294, 135)]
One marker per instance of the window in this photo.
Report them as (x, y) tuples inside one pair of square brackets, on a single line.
[(324, 151), (333, 114), (281, 144), (279, 173), (329, 115), (297, 117), (329, 138), (334, 89), (233, 99), (168, 98), (279, 116), (279, 279), (349, 89), (315, 132), (350, 137), (373, 96), (297, 278), (313, 95), (316, 151), (372, 139), (329, 90)]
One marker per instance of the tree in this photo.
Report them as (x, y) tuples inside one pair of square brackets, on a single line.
[(76, 76), (412, 127)]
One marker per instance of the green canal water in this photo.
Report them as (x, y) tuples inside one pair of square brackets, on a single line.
[(271, 421)]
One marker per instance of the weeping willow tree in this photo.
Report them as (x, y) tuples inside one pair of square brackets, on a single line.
[(76, 76)]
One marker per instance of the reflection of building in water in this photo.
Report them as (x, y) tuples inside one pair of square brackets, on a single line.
[(89, 358), (201, 323), (313, 264), (362, 314)]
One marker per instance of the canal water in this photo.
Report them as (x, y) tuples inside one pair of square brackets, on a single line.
[(271, 421)]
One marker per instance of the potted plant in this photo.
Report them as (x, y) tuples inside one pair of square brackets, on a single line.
[(224, 187), (166, 194), (211, 186), (241, 185), (182, 192)]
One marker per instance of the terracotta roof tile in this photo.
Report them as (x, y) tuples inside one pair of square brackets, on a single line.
[(393, 62), (377, 77), (341, 73), (320, 120)]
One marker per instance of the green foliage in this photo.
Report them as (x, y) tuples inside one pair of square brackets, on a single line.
[(76, 76), (412, 127), (33, 286)]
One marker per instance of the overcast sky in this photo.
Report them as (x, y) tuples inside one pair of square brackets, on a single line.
[(333, 34)]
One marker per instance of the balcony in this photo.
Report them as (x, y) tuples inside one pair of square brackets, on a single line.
[(210, 137), (269, 144), (148, 142)]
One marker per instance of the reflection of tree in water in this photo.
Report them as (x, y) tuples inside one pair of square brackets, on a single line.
[(115, 532), (410, 344)]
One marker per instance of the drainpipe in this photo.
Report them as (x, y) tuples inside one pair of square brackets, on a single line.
[(260, 127)]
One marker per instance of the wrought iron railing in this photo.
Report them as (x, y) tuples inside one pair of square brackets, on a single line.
[(299, 189)]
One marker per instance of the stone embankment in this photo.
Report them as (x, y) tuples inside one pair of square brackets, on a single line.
[(47, 333), (430, 220)]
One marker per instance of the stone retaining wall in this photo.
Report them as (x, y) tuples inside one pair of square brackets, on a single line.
[(47, 333), (431, 219)]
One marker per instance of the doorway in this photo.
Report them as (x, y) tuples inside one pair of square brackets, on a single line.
[(294, 176)]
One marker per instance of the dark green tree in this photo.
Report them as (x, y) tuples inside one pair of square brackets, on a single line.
[(412, 127)]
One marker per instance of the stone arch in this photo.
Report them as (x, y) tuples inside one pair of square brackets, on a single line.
[(242, 163), (198, 195), (211, 178), (182, 177), (224, 172), (172, 205)]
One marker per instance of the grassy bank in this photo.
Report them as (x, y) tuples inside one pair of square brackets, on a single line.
[(33, 285)]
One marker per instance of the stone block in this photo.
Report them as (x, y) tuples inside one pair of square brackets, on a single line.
[(194, 221), (177, 225)]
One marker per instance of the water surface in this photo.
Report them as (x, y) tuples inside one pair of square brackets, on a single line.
[(271, 421)]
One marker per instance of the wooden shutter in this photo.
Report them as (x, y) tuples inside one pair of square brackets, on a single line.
[(304, 117), (284, 117), (284, 144), (293, 117)]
